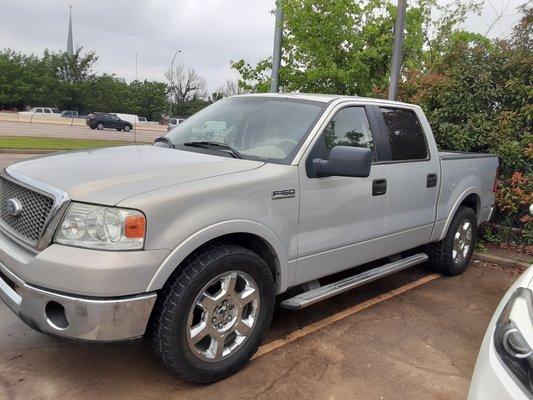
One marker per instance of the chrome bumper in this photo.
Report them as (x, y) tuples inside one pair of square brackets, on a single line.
[(64, 315)]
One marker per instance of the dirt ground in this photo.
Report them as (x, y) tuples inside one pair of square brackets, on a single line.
[(412, 335)]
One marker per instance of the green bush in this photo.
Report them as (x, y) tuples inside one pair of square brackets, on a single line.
[(478, 97)]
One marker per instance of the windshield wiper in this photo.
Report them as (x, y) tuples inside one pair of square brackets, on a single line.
[(164, 139), (214, 146)]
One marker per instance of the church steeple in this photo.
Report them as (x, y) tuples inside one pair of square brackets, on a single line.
[(70, 46)]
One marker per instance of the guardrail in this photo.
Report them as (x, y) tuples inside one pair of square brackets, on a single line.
[(31, 119)]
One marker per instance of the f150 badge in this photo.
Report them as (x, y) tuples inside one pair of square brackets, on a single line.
[(283, 194)]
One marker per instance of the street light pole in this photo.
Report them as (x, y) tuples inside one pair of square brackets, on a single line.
[(276, 56), (172, 89), (397, 54)]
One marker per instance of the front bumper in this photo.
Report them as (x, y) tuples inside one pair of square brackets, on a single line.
[(95, 319)]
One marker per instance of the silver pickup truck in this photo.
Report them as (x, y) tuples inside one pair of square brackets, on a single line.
[(188, 241)]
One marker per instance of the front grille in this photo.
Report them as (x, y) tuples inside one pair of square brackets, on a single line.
[(36, 208)]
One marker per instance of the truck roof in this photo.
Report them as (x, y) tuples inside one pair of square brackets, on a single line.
[(327, 98)]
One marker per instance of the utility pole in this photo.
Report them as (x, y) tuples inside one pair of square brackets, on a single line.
[(276, 57), (397, 54), (135, 65)]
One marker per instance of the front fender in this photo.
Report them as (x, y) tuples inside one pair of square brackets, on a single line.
[(284, 268)]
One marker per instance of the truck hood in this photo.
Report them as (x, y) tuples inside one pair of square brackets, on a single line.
[(109, 175)]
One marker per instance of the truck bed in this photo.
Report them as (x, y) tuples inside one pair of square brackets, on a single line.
[(463, 173)]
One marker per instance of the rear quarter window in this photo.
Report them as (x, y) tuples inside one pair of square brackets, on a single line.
[(405, 135)]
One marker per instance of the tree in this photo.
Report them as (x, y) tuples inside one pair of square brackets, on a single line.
[(71, 68), (25, 80), (345, 46), (231, 88), (478, 97), (185, 84), (71, 71), (147, 98)]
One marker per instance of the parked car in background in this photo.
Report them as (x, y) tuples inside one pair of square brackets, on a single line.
[(105, 120), (143, 119), (173, 122), (69, 114), (189, 241), (42, 111), (504, 368)]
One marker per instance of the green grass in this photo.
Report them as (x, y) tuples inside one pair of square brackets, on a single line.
[(45, 143)]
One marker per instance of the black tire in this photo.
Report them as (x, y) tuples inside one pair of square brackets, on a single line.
[(440, 254), (167, 333), (100, 126), (92, 126), (119, 129), (126, 128)]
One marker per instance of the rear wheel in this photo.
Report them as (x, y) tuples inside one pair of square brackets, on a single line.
[(212, 316), (452, 255), (100, 126)]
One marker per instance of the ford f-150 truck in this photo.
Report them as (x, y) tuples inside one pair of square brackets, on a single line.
[(188, 241)]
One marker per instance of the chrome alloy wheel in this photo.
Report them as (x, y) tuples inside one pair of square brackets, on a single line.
[(223, 316), (462, 241)]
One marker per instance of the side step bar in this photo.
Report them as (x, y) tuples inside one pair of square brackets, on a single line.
[(325, 292)]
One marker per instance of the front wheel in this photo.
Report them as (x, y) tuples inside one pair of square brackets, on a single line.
[(451, 255), (212, 316), (126, 128)]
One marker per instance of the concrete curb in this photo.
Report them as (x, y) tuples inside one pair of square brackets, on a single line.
[(508, 262), (26, 151)]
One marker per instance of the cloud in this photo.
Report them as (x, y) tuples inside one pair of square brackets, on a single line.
[(209, 33)]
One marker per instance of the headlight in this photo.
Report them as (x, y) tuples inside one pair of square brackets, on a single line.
[(513, 327), (100, 227)]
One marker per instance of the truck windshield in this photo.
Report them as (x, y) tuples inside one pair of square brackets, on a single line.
[(262, 128)]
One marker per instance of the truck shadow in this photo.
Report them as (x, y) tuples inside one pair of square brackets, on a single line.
[(33, 365)]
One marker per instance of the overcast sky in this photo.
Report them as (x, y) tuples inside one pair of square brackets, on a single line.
[(209, 33)]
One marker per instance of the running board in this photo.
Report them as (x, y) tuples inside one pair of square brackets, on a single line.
[(325, 292)]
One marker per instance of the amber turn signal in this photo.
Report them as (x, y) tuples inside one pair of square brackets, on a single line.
[(134, 226)]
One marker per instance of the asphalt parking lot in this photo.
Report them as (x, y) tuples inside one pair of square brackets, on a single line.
[(8, 128), (413, 335)]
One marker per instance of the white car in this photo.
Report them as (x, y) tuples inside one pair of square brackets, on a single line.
[(131, 118), (504, 368), (42, 111), (173, 122)]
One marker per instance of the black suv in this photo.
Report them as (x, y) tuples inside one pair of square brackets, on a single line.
[(105, 120)]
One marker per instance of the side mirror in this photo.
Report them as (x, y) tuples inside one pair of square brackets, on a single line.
[(345, 161)]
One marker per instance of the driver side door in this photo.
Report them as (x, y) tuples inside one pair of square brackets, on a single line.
[(341, 218)]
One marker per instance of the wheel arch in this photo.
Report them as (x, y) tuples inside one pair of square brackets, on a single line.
[(251, 235), (469, 198)]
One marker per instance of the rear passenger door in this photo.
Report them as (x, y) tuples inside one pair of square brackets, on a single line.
[(413, 177)]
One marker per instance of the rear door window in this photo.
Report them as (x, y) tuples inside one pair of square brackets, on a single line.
[(405, 135)]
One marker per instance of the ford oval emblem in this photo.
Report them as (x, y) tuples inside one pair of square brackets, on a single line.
[(13, 206)]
